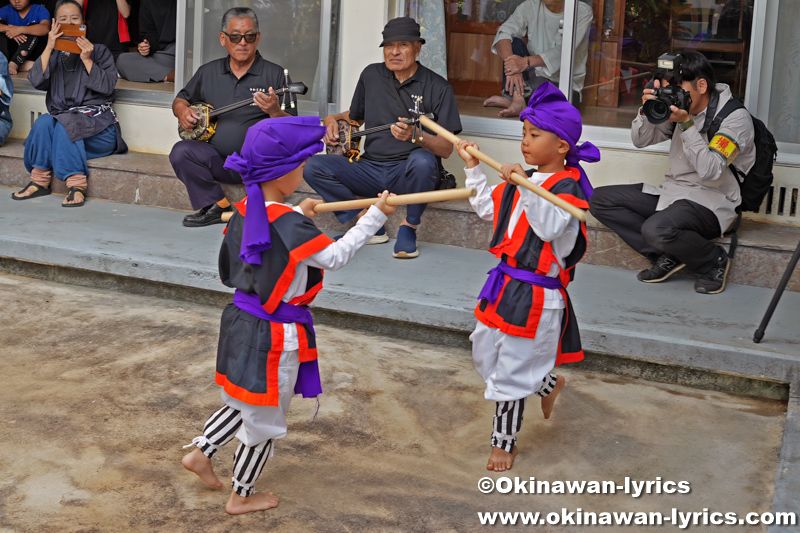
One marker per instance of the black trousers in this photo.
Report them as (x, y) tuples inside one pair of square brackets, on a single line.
[(200, 167), (683, 230), (17, 53)]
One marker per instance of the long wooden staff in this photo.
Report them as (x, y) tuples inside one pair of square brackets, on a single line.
[(403, 199), (518, 179)]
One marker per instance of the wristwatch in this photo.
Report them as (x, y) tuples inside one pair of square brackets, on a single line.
[(528, 61), (686, 125)]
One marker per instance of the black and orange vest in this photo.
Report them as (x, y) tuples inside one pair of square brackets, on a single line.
[(250, 373), (519, 307)]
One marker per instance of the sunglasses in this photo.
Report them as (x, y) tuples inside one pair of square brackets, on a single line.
[(236, 38)]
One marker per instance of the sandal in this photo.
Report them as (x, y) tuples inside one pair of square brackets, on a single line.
[(40, 191), (71, 196)]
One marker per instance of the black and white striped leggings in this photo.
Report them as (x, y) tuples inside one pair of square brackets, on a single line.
[(508, 419), (248, 462)]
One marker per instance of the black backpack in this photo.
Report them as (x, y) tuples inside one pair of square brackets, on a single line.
[(754, 185)]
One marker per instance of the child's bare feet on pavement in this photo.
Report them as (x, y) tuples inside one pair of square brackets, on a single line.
[(195, 461), (258, 501), (550, 399), (501, 460)]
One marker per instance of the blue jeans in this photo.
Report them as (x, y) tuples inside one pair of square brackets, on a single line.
[(335, 178), (48, 147)]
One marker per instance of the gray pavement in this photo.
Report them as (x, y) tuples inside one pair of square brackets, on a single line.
[(662, 323), (667, 323), (100, 390)]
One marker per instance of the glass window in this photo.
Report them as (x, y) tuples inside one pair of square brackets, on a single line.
[(468, 41), (628, 36), (290, 37), (784, 109)]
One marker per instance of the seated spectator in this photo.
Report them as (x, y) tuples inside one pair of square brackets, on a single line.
[(673, 224), (155, 60), (243, 74), (525, 67), (6, 93), (81, 124), (400, 159), (23, 31), (106, 24)]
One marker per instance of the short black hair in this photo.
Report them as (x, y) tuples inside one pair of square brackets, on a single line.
[(695, 66)]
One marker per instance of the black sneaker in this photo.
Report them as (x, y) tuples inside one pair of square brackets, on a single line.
[(210, 214), (713, 281), (664, 267)]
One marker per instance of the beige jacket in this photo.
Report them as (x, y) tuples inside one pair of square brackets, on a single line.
[(698, 173)]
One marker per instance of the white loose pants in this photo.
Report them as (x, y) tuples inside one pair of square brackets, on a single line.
[(514, 367)]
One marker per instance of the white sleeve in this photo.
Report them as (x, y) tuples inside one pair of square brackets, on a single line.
[(339, 253), (548, 221), (482, 202)]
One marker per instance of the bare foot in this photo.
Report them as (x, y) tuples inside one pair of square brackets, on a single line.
[(512, 110), (12, 68), (501, 460), (26, 66), (497, 101), (550, 399), (196, 462), (258, 501)]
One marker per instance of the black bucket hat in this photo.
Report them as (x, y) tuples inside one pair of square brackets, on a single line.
[(401, 29)]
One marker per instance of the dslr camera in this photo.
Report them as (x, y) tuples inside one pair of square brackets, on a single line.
[(658, 109)]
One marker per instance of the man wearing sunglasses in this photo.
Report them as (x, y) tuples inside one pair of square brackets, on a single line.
[(240, 75)]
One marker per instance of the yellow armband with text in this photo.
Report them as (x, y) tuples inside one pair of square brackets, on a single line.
[(725, 146)]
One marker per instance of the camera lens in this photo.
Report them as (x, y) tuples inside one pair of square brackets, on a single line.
[(656, 111)]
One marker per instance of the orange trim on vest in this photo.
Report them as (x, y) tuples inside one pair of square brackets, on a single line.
[(295, 256), (252, 398), (306, 353)]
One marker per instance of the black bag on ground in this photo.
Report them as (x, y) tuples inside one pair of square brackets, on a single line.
[(445, 179)]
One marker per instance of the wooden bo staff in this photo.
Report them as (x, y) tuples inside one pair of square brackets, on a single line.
[(403, 199), (522, 181)]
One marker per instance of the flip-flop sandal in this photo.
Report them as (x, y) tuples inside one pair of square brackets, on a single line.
[(40, 191), (71, 196)]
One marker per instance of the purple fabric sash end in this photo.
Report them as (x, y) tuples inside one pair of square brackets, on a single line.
[(308, 379), (493, 286)]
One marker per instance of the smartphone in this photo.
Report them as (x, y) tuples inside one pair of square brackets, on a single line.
[(68, 41)]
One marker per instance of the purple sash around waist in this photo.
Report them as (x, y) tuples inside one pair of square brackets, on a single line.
[(308, 380), (493, 286)]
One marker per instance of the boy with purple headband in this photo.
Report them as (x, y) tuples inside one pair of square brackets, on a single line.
[(274, 256), (526, 325)]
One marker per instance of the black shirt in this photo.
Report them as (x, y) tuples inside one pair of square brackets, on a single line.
[(375, 102), (157, 23), (215, 84), (102, 25)]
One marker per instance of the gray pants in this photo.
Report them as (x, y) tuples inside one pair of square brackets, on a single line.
[(133, 66)]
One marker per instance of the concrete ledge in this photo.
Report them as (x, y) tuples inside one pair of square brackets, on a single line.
[(148, 179), (633, 324), (127, 92)]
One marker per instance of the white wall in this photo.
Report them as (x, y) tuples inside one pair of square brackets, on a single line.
[(360, 34)]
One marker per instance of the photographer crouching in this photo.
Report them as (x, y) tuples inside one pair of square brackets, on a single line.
[(673, 224)]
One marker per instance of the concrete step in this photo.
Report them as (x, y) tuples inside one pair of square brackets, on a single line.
[(148, 179), (660, 331)]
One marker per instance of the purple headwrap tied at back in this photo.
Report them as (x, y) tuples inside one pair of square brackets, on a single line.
[(548, 109), (272, 148)]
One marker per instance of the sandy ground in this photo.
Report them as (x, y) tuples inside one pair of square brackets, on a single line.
[(99, 391)]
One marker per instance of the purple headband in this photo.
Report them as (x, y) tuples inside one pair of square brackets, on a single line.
[(548, 109), (272, 148)]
